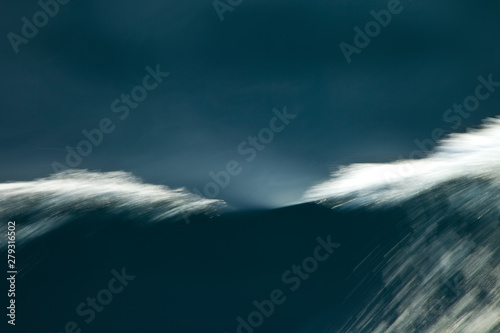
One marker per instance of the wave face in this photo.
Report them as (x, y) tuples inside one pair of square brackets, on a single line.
[(48, 203), (444, 274)]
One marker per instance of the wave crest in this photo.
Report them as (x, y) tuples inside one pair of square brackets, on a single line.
[(443, 276), (475, 154), (48, 203)]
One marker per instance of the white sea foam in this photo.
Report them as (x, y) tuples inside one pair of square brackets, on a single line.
[(50, 202), (473, 154), (444, 276)]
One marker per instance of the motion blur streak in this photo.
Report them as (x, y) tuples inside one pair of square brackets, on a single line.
[(475, 154), (49, 203), (444, 275)]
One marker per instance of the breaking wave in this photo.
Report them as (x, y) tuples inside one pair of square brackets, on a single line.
[(444, 274), (473, 155), (48, 203)]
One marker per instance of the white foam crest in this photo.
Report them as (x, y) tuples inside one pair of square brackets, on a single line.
[(444, 276), (50, 202), (475, 154)]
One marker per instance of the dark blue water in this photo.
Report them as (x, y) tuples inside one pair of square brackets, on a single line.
[(196, 277), (426, 264)]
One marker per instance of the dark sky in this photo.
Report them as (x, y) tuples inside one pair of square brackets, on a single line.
[(227, 77)]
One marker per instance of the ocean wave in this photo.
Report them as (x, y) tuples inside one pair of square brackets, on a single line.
[(444, 274), (475, 154), (48, 203)]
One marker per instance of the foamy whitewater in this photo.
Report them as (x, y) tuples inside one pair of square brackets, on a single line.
[(444, 275), (49, 203), (475, 154)]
